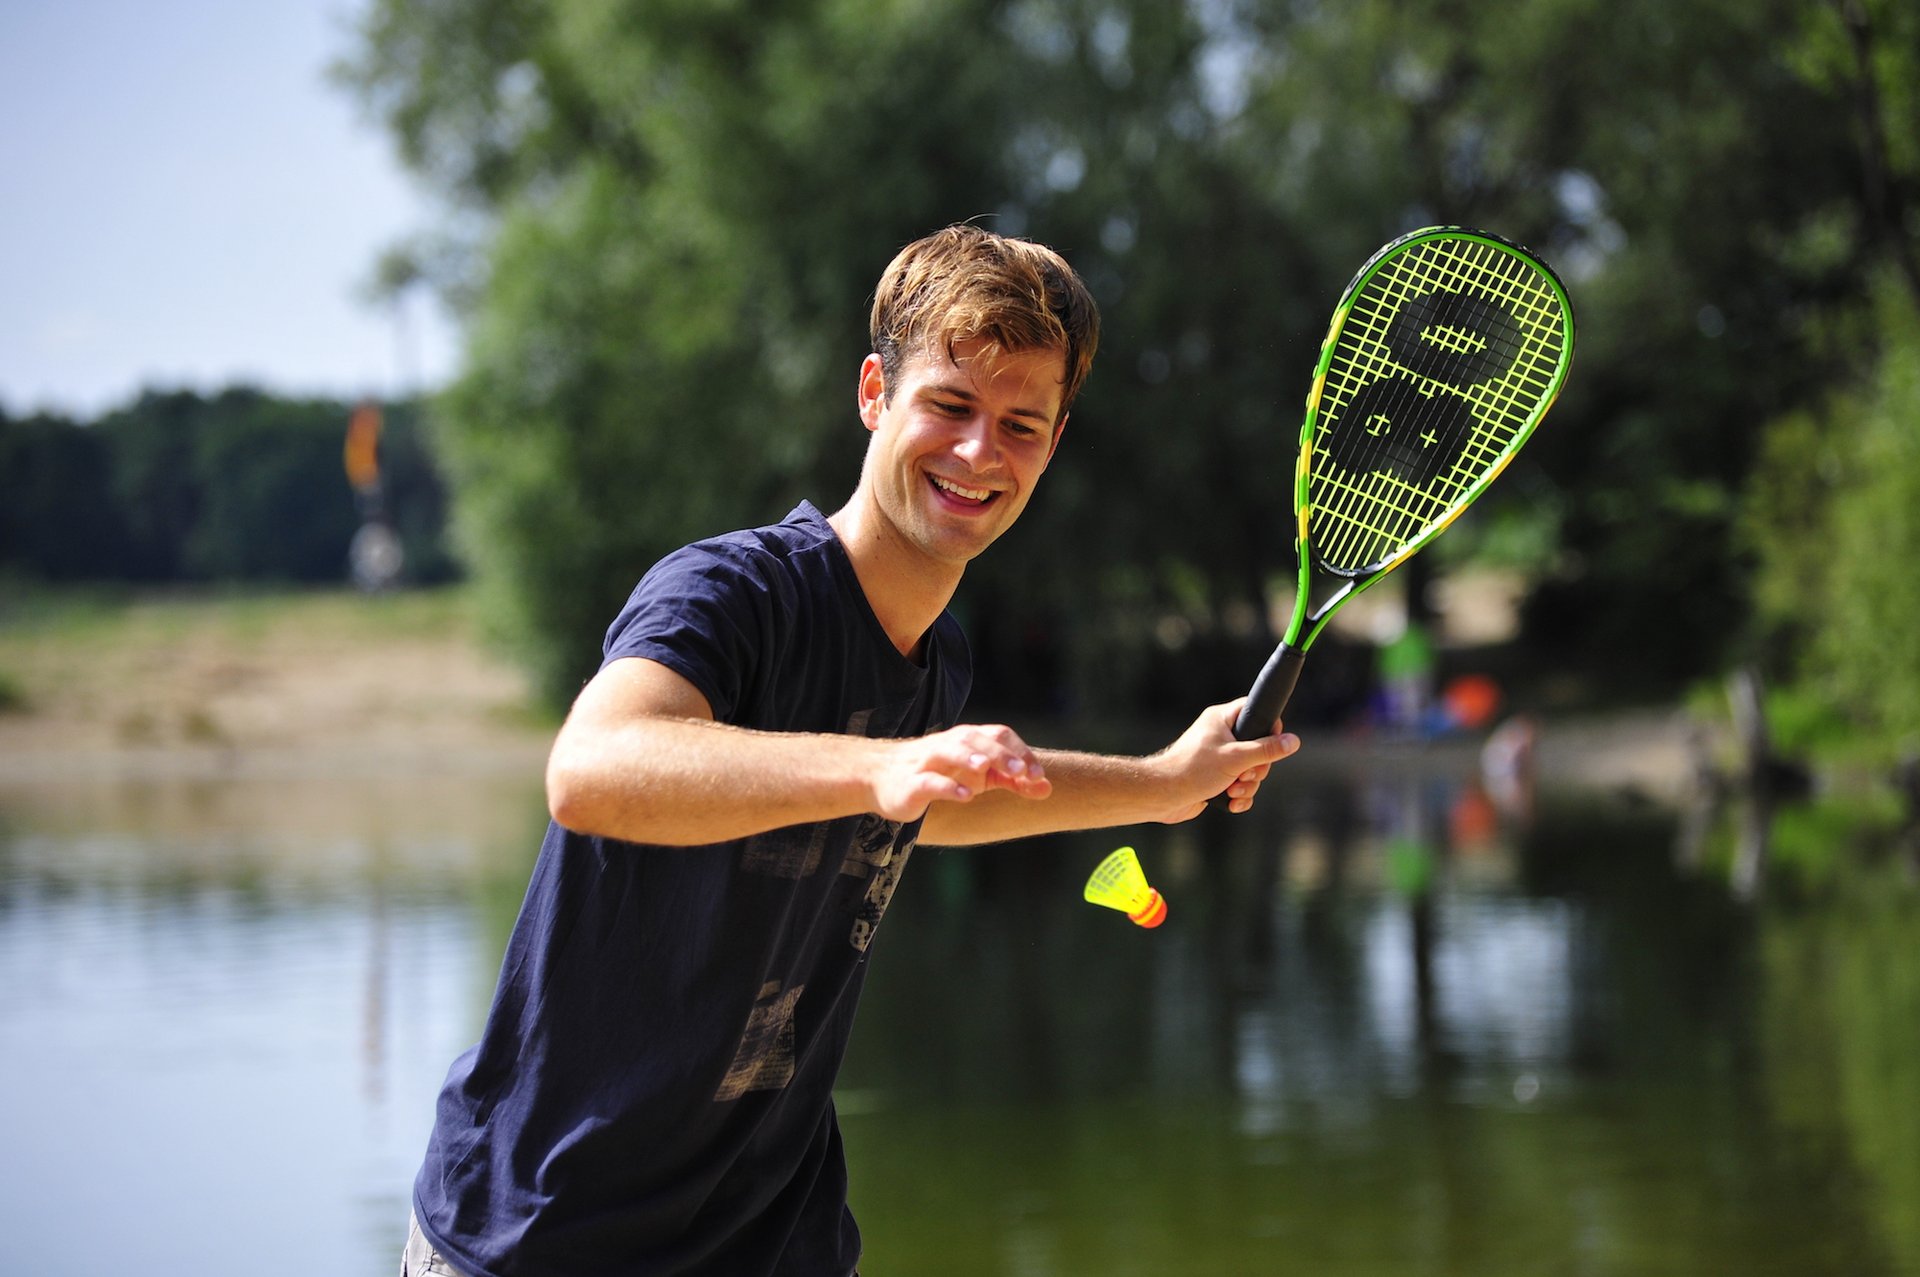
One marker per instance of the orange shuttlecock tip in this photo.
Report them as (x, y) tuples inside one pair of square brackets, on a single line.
[(1118, 883)]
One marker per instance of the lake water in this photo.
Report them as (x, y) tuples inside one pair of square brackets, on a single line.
[(1390, 1027)]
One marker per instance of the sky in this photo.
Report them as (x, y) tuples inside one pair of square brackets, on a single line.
[(187, 201)]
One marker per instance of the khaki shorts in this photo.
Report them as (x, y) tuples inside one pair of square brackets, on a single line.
[(420, 1259)]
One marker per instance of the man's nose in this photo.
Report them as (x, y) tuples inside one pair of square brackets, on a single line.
[(976, 445)]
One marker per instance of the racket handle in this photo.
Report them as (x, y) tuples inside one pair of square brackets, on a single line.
[(1270, 693)]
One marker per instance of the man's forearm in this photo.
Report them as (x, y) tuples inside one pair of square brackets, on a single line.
[(681, 779), (1090, 791), (687, 782)]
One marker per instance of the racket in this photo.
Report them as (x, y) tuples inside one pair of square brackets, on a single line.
[(1445, 351)]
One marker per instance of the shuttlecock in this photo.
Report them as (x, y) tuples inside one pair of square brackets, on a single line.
[(1119, 884)]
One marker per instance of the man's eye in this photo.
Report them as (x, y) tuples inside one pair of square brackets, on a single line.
[(951, 409)]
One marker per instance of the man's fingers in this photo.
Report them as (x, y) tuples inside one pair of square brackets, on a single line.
[(1026, 786), (1278, 746), (998, 759), (1269, 749), (1018, 776), (973, 760), (1275, 744)]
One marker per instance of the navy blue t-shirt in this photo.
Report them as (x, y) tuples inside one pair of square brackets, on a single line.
[(652, 1092)]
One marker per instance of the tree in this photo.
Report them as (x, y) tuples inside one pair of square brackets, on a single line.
[(1834, 519), (57, 518), (176, 486), (273, 504), (1829, 516), (683, 204), (156, 480)]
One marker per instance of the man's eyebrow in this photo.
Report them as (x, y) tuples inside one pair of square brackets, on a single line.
[(957, 391)]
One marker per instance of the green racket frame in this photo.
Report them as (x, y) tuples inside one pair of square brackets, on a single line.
[(1545, 338)]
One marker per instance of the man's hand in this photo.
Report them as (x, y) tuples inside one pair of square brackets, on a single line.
[(954, 766), (1206, 762), (1097, 791)]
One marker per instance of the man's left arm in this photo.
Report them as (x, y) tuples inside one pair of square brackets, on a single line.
[(1097, 791)]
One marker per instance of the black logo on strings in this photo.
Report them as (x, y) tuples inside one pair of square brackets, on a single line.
[(1417, 436), (1455, 338), (1417, 430)]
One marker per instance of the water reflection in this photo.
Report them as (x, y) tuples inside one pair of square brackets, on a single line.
[(1369, 940), (1404, 1021), (223, 1009), (1393, 1027)]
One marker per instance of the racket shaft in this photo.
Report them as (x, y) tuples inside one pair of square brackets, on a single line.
[(1270, 693)]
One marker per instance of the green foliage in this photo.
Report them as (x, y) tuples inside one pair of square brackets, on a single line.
[(177, 486), (684, 206), (1805, 459), (1809, 843), (1872, 598), (1801, 723), (155, 481), (672, 315), (261, 513), (57, 516), (1833, 518)]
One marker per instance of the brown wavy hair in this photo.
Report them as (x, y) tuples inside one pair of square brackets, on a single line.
[(966, 283)]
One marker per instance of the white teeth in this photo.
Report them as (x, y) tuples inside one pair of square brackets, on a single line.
[(971, 494)]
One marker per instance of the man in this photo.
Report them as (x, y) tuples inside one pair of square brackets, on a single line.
[(734, 796)]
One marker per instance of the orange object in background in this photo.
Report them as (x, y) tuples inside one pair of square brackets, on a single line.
[(1473, 822), (1471, 701), (363, 447)]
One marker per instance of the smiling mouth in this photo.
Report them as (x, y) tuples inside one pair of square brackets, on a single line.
[(974, 496)]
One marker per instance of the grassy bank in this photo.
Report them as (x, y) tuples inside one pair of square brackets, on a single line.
[(87, 671)]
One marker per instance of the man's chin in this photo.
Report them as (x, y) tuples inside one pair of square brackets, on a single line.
[(957, 546)]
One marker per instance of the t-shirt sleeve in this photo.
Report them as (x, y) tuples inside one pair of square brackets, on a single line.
[(706, 613)]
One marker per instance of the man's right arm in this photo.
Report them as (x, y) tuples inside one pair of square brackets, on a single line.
[(640, 758)]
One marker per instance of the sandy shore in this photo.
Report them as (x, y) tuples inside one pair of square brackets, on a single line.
[(303, 687)]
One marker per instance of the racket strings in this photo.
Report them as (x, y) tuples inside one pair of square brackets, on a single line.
[(1447, 355), (1496, 350), (1459, 438)]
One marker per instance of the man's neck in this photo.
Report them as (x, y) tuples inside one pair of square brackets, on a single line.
[(906, 590)]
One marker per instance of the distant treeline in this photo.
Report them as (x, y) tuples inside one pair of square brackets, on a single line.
[(184, 487)]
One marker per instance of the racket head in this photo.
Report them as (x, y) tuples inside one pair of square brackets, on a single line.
[(1446, 350)]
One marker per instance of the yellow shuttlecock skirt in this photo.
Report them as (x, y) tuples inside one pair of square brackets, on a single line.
[(1119, 883)]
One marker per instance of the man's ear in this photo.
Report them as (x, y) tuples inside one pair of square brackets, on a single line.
[(872, 391), (1058, 431)]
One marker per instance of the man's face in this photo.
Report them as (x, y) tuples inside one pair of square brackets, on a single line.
[(960, 443)]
